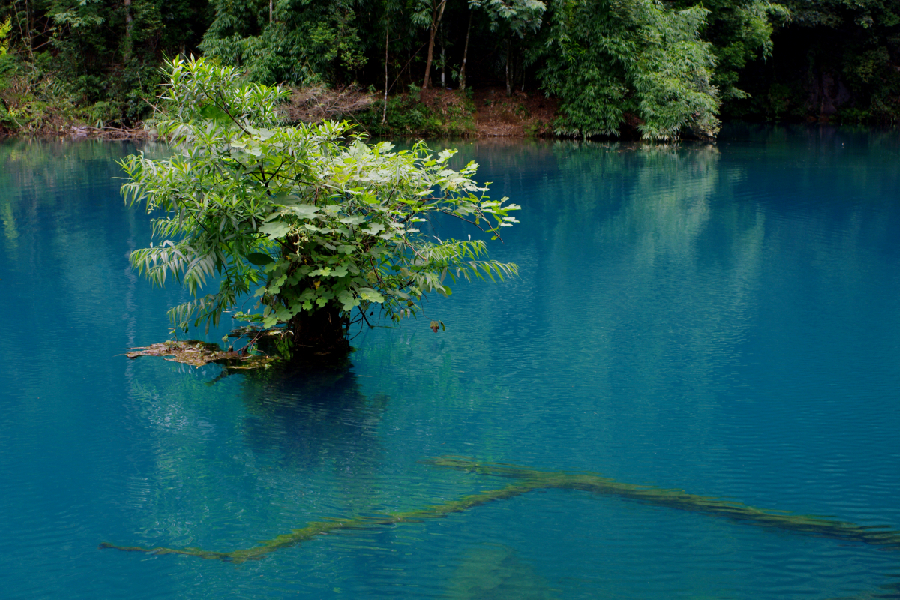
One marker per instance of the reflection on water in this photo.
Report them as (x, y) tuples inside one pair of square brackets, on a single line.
[(720, 319)]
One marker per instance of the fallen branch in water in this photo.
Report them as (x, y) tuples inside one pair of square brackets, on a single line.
[(809, 524), (197, 353), (114, 133), (532, 479), (298, 536)]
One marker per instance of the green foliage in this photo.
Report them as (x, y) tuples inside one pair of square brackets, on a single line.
[(740, 32), (307, 220), (520, 16), (5, 27), (299, 42), (611, 57), (408, 116), (88, 61), (513, 20), (616, 66), (832, 59)]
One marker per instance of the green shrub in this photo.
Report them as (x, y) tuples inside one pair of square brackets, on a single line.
[(319, 228)]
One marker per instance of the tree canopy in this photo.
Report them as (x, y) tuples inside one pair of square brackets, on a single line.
[(607, 59), (660, 67)]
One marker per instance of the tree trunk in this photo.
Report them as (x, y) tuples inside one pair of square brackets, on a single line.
[(508, 56), (387, 31), (427, 82), (436, 15), (25, 33), (520, 69), (462, 69), (324, 330), (129, 25)]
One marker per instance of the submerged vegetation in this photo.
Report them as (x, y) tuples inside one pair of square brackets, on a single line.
[(322, 229)]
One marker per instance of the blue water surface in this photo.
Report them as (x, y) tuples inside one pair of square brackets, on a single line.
[(722, 319)]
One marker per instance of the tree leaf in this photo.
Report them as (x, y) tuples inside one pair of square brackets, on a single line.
[(275, 230), (212, 112), (259, 259), (305, 211)]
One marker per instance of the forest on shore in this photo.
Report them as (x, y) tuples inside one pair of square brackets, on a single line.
[(657, 69)]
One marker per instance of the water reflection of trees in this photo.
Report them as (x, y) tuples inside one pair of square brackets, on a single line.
[(638, 284), (647, 273), (39, 176), (606, 224), (618, 314), (265, 452), (63, 244)]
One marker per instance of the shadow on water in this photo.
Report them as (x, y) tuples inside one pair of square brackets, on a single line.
[(883, 138)]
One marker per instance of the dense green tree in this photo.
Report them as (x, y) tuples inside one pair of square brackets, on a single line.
[(102, 52), (740, 32), (513, 20), (429, 14), (659, 67), (606, 59), (5, 27), (290, 41)]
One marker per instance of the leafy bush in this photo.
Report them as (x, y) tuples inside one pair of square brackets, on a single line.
[(407, 115), (320, 227)]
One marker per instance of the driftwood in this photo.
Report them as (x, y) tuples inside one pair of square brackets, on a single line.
[(197, 354)]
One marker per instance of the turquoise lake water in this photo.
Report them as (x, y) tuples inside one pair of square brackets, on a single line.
[(718, 319)]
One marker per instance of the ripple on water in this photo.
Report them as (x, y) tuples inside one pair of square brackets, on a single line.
[(721, 321)]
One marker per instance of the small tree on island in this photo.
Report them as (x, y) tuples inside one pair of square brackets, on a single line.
[(323, 229)]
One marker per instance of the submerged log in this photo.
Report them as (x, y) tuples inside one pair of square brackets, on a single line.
[(679, 499), (533, 479), (312, 530)]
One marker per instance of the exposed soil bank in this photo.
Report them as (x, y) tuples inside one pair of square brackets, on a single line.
[(476, 113), (435, 113), (521, 115)]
